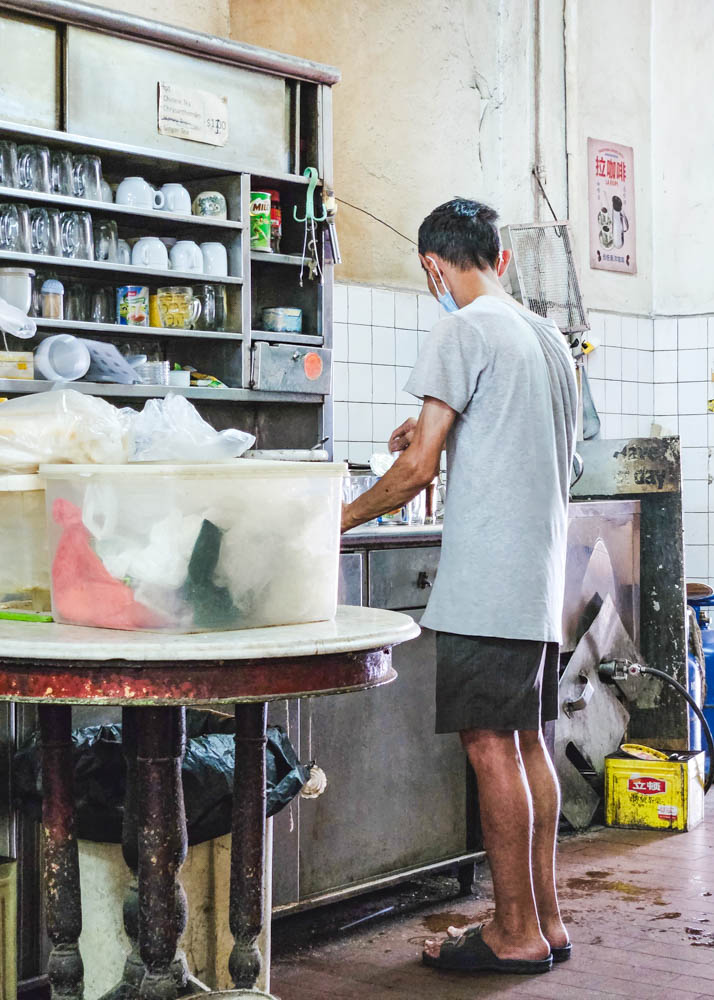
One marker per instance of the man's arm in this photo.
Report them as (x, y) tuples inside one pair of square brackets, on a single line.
[(414, 469)]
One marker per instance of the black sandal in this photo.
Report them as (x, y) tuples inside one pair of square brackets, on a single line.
[(562, 954), (470, 953)]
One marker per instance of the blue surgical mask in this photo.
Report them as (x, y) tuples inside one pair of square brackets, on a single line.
[(445, 297)]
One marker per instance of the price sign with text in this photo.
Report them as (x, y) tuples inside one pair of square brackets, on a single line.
[(197, 115)]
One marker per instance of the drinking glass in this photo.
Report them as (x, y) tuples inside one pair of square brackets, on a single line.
[(102, 306), (9, 176), (15, 228), (61, 181), (106, 241), (76, 303), (87, 177), (40, 232), (76, 235), (206, 295), (178, 307), (34, 168)]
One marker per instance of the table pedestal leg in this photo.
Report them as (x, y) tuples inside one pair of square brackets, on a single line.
[(247, 909), (61, 858), (162, 845)]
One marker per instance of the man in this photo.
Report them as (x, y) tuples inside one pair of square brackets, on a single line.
[(499, 391)]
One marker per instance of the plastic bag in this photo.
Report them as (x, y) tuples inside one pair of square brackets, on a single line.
[(61, 426), (207, 773), (172, 430)]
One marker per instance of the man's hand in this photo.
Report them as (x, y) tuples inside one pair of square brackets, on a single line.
[(403, 436), (422, 443)]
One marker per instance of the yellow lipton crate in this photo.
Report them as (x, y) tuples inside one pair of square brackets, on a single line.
[(655, 794), (8, 929)]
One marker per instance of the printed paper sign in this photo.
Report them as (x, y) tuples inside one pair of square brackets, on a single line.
[(196, 115), (611, 206)]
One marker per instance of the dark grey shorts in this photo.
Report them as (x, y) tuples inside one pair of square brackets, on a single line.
[(489, 683)]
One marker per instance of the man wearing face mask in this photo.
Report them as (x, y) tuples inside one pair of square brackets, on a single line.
[(499, 392)]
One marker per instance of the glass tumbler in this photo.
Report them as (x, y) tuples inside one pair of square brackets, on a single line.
[(106, 241), (206, 295), (76, 235), (76, 303), (61, 165), (9, 175), (102, 306), (34, 168), (15, 228), (87, 177)]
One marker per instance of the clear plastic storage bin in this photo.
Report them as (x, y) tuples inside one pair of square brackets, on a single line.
[(194, 548), (24, 559)]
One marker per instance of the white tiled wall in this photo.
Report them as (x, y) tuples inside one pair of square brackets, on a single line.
[(644, 370), (660, 371), (377, 333)]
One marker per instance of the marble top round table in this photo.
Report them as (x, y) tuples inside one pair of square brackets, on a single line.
[(153, 676)]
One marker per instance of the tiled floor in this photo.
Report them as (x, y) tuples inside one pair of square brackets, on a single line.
[(640, 910)]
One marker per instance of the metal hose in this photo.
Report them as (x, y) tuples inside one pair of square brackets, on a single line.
[(696, 709)]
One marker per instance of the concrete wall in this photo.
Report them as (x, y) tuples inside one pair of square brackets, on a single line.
[(437, 99), (608, 97), (209, 16), (683, 142)]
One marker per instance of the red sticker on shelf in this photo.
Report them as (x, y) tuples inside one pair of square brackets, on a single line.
[(313, 366)]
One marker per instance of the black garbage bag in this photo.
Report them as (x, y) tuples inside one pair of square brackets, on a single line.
[(100, 777)]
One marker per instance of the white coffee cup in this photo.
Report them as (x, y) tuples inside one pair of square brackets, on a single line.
[(176, 199), (215, 259), (62, 358), (139, 193), (186, 256), (149, 251)]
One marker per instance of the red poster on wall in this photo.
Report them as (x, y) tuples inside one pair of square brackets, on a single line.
[(611, 206)]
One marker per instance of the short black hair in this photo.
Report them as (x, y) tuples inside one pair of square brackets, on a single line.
[(462, 232)]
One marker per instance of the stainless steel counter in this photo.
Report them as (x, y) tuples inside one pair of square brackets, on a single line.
[(384, 536)]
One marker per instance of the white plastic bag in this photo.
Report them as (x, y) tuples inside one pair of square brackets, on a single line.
[(172, 430), (61, 426)]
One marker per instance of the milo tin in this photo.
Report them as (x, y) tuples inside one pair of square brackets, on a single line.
[(260, 221)]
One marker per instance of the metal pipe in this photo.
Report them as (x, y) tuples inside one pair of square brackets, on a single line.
[(113, 22)]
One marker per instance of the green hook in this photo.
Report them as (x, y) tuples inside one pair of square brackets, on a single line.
[(310, 199)]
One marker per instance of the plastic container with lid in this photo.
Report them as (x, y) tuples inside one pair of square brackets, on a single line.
[(194, 548), (24, 558)]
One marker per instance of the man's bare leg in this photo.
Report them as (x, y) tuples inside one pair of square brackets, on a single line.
[(506, 819), (545, 796)]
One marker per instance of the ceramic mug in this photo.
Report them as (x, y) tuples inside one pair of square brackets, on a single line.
[(210, 204), (139, 193), (176, 199), (215, 259), (149, 251), (178, 307), (186, 256)]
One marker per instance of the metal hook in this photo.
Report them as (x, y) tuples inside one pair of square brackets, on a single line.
[(310, 199)]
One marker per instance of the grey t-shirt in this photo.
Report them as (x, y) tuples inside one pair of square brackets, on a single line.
[(510, 376)]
